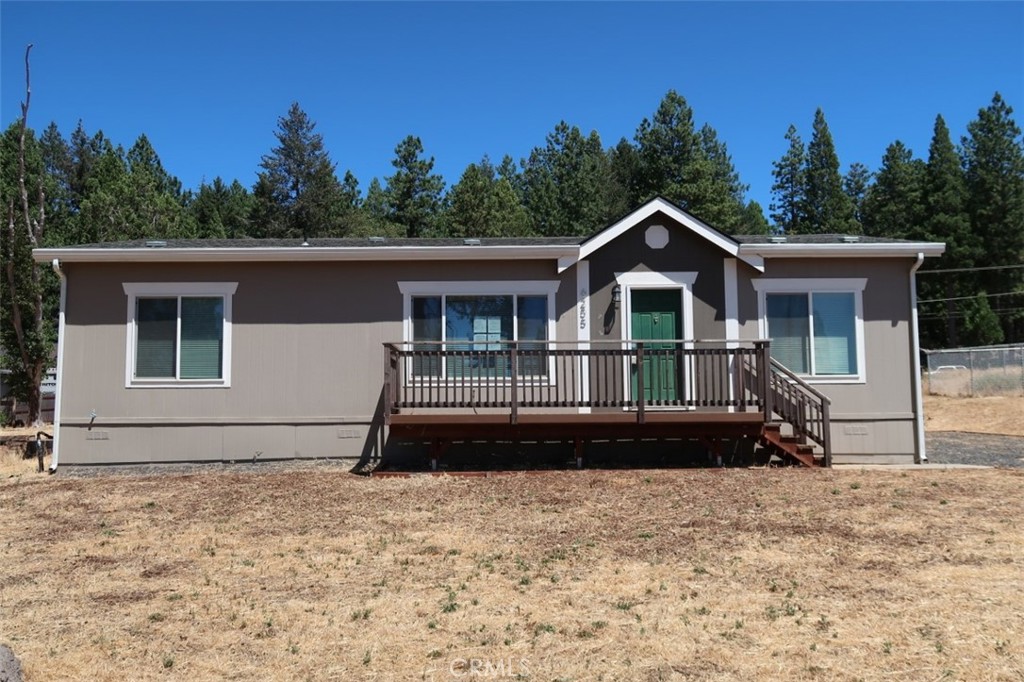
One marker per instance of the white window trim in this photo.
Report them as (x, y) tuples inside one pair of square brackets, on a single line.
[(633, 281), (135, 290), (852, 285), (548, 288)]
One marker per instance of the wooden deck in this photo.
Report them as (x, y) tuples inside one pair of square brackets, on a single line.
[(710, 391), (603, 425)]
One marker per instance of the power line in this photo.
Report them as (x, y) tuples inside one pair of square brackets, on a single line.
[(986, 267), (959, 315), (969, 298)]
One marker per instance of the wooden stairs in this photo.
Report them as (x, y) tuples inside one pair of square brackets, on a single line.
[(790, 448)]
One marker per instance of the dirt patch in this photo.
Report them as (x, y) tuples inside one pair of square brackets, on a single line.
[(1000, 415), (632, 575)]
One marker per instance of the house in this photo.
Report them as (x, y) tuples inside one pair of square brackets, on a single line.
[(657, 326)]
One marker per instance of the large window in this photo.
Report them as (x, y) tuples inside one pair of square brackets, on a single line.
[(474, 328), (179, 334), (815, 327)]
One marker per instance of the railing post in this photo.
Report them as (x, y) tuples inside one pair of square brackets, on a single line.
[(514, 366), (390, 381), (826, 433), (640, 381), (764, 376)]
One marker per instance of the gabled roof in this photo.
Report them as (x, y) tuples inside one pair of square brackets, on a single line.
[(752, 249), (662, 205)]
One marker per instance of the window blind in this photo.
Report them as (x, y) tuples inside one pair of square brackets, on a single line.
[(835, 344), (202, 336), (789, 330), (156, 325)]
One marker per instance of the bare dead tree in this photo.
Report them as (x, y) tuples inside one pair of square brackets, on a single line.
[(33, 356)]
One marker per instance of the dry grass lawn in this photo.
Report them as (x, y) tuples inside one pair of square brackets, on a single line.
[(1000, 415), (625, 575)]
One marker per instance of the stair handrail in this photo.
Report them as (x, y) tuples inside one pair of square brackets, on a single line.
[(782, 404)]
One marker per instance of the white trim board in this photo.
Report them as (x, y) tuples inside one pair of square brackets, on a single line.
[(134, 290)]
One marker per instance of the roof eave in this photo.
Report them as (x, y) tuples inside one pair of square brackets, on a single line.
[(304, 254), (877, 250)]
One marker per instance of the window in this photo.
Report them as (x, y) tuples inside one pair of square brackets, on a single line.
[(441, 316), (179, 334), (815, 326)]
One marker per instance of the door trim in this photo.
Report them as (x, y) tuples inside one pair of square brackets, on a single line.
[(630, 281), (683, 281)]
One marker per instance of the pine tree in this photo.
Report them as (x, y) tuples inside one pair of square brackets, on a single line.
[(753, 220), (482, 204), (565, 183), (946, 220), (789, 188), (993, 159), (827, 208), (894, 205), (221, 210), (413, 193), (297, 194), (690, 167), (855, 186)]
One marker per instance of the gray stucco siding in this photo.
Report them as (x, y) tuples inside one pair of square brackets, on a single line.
[(307, 359), (876, 417)]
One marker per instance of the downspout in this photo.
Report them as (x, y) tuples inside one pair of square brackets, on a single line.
[(915, 343), (60, 365)]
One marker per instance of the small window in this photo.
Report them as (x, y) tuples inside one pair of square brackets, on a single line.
[(179, 334), (815, 333)]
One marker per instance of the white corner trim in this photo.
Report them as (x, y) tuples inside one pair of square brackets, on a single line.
[(655, 205), (583, 328), (59, 393), (810, 285), (133, 290), (732, 321)]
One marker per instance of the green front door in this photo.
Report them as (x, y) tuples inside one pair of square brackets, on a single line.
[(657, 317)]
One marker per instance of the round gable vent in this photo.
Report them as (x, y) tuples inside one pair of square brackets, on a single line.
[(656, 237)]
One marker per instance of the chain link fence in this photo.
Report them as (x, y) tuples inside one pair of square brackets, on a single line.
[(988, 370)]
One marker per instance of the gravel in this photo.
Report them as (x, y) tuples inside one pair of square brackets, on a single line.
[(954, 447), (10, 666)]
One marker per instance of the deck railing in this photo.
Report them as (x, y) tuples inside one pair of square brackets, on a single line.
[(801, 405), (680, 374)]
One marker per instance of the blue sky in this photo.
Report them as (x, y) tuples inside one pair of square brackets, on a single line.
[(207, 81)]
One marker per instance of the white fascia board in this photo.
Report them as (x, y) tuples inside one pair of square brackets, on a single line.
[(306, 254), (841, 250), (697, 226)]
